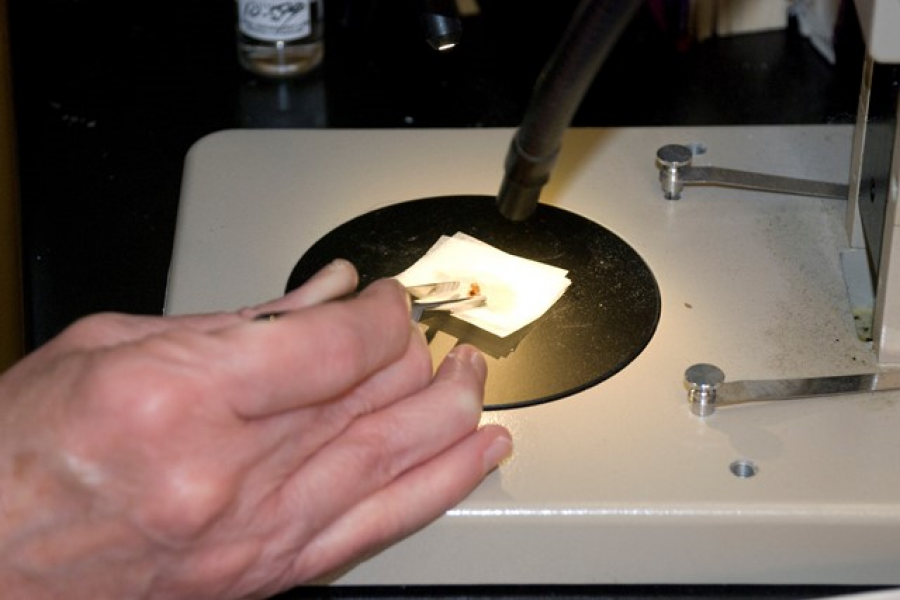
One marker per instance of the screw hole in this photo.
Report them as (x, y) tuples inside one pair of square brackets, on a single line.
[(743, 469)]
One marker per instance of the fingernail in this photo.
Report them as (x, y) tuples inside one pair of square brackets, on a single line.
[(339, 264), (499, 449), (458, 364), (466, 353), (339, 267)]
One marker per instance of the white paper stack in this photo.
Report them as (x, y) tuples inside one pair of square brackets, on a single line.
[(518, 290)]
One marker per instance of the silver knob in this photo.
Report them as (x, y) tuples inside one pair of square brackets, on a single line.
[(671, 158), (702, 381), (674, 156)]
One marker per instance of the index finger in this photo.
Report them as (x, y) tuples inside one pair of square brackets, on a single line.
[(316, 354), (336, 279)]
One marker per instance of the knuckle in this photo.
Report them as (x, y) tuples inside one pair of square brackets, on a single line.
[(186, 503), (132, 395), (375, 454), (90, 329), (384, 450)]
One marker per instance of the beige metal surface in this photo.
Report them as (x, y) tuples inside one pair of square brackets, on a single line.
[(620, 483), (878, 19)]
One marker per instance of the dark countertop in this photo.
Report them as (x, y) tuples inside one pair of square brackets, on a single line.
[(111, 95)]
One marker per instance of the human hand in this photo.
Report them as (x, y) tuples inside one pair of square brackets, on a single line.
[(220, 457)]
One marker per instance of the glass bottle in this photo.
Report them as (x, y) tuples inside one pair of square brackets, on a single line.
[(280, 38)]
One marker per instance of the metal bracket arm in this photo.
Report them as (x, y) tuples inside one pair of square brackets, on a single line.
[(675, 171), (707, 388)]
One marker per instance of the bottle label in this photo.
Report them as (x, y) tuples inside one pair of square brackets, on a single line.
[(275, 20)]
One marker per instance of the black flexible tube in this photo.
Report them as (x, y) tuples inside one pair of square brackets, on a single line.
[(440, 19), (592, 33)]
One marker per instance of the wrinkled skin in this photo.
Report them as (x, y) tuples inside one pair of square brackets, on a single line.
[(218, 456)]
